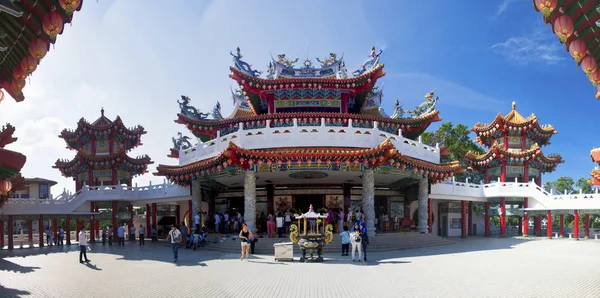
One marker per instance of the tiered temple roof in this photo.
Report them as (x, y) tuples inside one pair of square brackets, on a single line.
[(28, 29), (595, 173), (533, 156), (10, 162)]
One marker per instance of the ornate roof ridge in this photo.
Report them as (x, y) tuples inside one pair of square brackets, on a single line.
[(140, 159)]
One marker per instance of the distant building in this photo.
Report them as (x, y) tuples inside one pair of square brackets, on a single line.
[(35, 188)]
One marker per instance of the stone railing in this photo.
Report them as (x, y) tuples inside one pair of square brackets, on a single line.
[(539, 198), (295, 136)]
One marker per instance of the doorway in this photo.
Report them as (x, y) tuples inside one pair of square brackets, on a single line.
[(303, 202)]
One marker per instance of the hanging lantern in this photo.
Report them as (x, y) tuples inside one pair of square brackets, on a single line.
[(38, 48), (69, 5), (5, 187), (28, 65), (595, 77), (563, 27), (18, 73), (577, 50), (589, 65), (18, 84), (53, 24), (546, 7)]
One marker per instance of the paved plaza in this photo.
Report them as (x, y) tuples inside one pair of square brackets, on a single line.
[(475, 267)]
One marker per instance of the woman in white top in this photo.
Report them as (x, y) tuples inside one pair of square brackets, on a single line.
[(279, 221), (355, 241)]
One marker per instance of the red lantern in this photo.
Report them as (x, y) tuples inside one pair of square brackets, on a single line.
[(18, 84), (69, 5), (589, 65), (5, 187), (28, 65), (545, 6), (53, 24), (563, 27), (18, 73), (38, 48), (577, 50), (595, 77)]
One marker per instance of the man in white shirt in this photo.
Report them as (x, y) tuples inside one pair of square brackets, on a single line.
[(197, 222), (83, 244), (175, 237), (61, 237), (217, 223), (132, 233), (141, 232), (226, 222), (121, 235)]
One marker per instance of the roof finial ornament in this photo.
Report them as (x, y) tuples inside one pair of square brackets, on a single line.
[(514, 105), (102, 111)]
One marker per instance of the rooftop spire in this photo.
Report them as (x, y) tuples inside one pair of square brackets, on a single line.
[(514, 105), (102, 111)]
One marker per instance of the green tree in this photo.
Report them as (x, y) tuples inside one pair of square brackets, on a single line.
[(564, 183), (458, 142), (583, 185)]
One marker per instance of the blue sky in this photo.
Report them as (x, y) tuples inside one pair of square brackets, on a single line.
[(135, 59)]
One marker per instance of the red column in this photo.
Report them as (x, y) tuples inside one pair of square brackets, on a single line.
[(587, 226), (576, 225), (55, 228), (538, 227), (430, 215), (30, 233), (154, 212), (115, 222), (148, 219), (525, 218), (41, 229), (502, 217), (487, 219), (77, 228), (463, 219), (97, 223), (561, 233), (68, 229), (92, 217), (549, 227), (1, 234), (470, 218), (10, 232)]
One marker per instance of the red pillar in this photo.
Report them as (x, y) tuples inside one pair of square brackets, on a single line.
[(430, 216), (487, 219), (1, 234), (463, 219), (97, 222), (148, 219), (538, 225), (92, 221), (30, 233), (68, 229), (77, 228), (55, 228), (41, 229), (549, 227), (576, 225), (502, 217), (525, 218), (561, 233), (115, 222), (154, 213), (470, 218), (10, 232), (587, 226)]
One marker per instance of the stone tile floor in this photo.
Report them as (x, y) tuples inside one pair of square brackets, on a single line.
[(474, 267)]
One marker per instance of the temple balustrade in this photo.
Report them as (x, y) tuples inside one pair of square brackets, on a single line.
[(306, 133)]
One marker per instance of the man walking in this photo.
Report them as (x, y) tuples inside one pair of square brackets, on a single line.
[(83, 245), (141, 232), (121, 235), (175, 237)]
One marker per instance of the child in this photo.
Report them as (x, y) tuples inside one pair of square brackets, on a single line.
[(196, 239), (345, 241)]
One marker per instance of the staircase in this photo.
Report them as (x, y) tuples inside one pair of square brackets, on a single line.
[(379, 243)]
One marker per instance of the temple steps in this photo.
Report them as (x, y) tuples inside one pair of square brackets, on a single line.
[(379, 243)]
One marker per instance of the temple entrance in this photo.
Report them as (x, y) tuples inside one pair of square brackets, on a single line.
[(303, 202)]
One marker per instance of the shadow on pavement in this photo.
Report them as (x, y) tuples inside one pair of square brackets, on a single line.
[(93, 266), (8, 292), (10, 266)]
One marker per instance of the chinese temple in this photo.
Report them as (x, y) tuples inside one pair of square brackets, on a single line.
[(28, 29), (309, 132), (514, 155), (10, 165)]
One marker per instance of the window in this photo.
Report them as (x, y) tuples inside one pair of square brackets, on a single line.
[(44, 191)]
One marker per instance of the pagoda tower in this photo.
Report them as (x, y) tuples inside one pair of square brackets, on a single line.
[(102, 148), (514, 154)]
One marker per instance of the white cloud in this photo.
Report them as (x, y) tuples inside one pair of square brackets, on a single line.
[(541, 46), (502, 8)]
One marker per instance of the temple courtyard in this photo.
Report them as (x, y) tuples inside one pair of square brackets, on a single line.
[(474, 267)]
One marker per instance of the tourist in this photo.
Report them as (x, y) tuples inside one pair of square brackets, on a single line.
[(217, 222), (288, 221), (153, 234), (245, 241), (330, 218), (279, 221), (341, 221), (271, 225), (355, 241), (365, 240), (132, 233), (104, 236), (195, 239), (175, 237), (345, 241), (359, 215), (110, 235), (48, 236), (121, 235), (83, 246), (253, 240), (141, 232), (226, 223), (184, 235), (61, 237), (197, 221), (349, 217)]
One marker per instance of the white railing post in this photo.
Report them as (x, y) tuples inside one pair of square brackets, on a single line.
[(466, 179), (241, 126), (420, 142), (295, 120), (498, 179), (268, 125), (516, 179), (580, 191), (375, 125), (323, 122), (400, 132), (349, 122), (596, 190)]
